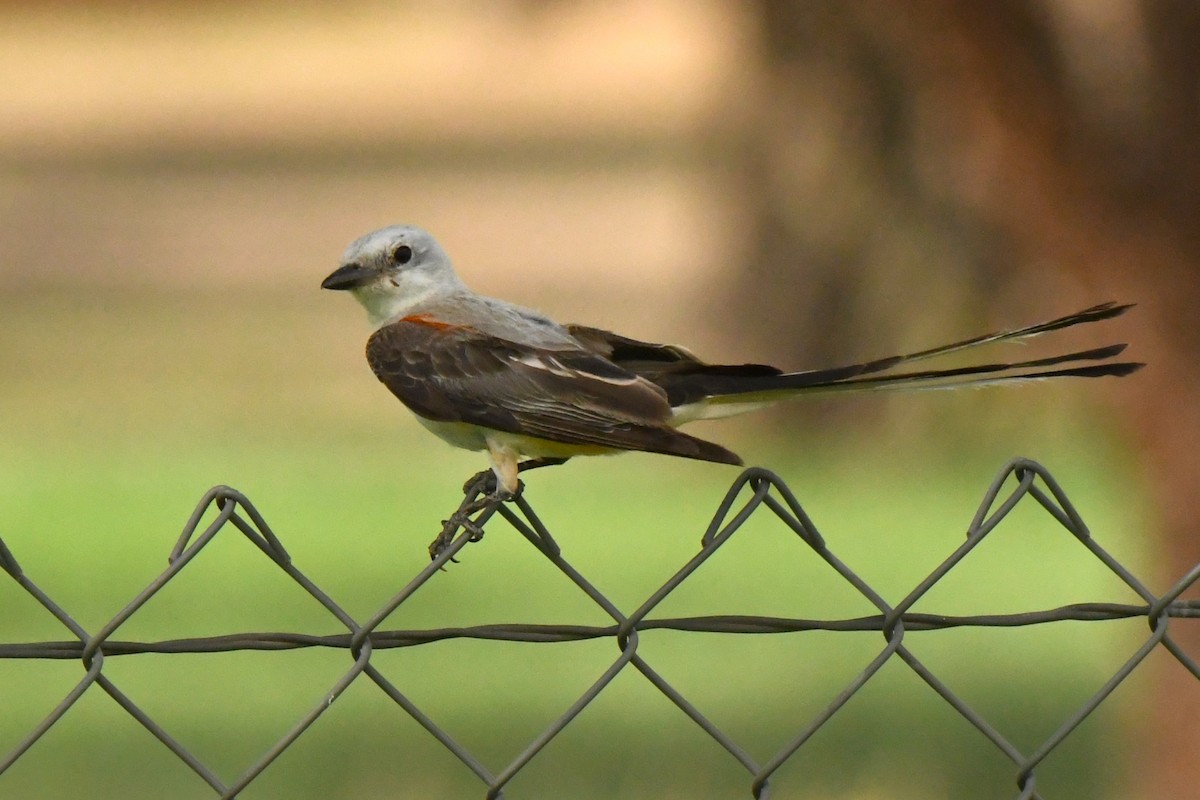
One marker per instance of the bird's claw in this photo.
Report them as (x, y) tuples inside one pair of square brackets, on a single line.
[(480, 483), (480, 492), (461, 519)]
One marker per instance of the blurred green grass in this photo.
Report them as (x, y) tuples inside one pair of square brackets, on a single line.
[(122, 407)]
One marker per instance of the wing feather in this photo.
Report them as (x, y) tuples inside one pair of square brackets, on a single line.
[(459, 374)]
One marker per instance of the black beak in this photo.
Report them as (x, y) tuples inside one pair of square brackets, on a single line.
[(348, 276)]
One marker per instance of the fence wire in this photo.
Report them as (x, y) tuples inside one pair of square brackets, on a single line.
[(755, 491)]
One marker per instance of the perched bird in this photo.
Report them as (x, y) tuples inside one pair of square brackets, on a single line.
[(484, 374)]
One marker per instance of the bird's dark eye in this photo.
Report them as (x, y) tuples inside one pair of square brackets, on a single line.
[(402, 254)]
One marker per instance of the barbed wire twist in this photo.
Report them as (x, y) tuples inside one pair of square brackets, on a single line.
[(754, 491)]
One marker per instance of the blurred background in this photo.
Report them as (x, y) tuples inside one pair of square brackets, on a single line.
[(802, 183)]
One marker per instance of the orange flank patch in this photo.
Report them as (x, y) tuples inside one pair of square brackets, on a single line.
[(425, 319)]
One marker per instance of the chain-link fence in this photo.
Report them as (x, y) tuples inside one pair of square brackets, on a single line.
[(756, 491)]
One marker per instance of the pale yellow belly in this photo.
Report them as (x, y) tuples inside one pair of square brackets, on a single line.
[(474, 437)]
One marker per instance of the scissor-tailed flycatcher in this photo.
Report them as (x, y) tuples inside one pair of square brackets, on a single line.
[(484, 374)]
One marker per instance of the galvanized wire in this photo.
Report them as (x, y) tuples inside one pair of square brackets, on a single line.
[(755, 491)]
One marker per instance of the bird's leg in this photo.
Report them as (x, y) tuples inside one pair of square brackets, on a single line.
[(484, 482), (480, 492)]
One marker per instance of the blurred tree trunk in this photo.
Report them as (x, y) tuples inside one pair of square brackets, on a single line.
[(954, 144)]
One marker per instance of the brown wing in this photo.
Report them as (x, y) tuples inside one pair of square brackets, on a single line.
[(458, 374), (672, 368)]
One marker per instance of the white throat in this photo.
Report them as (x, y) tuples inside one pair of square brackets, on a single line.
[(388, 302)]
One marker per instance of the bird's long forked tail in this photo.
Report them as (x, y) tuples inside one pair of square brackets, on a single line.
[(882, 374)]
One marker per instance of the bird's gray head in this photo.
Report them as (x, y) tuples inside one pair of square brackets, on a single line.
[(393, 271)]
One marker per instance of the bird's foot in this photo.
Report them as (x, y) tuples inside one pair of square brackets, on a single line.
[(474, 501), (481, 483), (481, 493)]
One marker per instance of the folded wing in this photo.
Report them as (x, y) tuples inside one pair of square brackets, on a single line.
[(457, 374)]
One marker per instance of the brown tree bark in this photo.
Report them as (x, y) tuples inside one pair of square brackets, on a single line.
[(1011, 133)]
